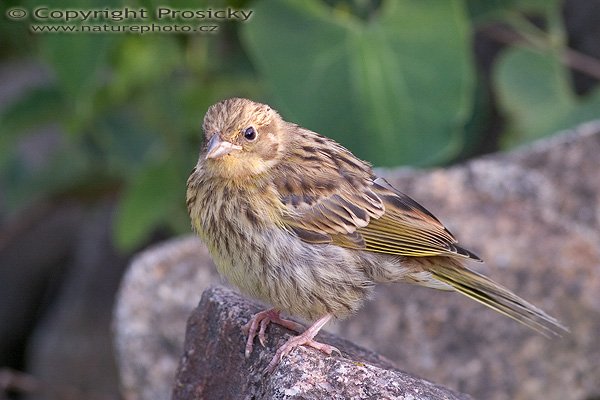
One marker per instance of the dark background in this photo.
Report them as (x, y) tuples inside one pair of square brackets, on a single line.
[(98, 132)]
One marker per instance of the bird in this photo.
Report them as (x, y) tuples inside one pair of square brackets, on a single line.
[(294, 219)]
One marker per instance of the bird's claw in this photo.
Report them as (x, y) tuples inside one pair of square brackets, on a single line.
[(259, 322), (261, 333)]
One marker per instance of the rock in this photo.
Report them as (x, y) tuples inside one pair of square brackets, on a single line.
[(534, 216), (157, 295), (213, 365)]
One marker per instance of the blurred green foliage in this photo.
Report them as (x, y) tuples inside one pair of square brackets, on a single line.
[(394, 81), (373, 84)]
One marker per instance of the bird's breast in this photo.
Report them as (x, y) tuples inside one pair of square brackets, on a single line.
[(236, 223), (253, 250)]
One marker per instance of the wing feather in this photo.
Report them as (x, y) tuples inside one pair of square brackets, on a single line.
[(342, 202)]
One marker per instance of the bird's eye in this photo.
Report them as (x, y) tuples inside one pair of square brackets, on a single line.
[(250, 133)]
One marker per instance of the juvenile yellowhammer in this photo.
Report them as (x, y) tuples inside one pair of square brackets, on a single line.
[(294, 219)]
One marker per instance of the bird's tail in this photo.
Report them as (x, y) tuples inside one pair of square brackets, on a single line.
[(489, 293)]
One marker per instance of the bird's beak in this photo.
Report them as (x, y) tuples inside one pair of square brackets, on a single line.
[(217, 147)]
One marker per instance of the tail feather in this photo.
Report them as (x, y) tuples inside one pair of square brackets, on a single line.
[(498, 298)]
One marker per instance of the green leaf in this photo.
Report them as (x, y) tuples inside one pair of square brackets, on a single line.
[(77, 60), (25, 182), (141, 63), (392, 89), (534, 93), (37, 106), (532, 89), (537, 98), (80, 62), (586, 109), (125, 141), (149, 201)]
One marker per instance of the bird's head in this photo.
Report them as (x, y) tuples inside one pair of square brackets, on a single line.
[(243, 138)]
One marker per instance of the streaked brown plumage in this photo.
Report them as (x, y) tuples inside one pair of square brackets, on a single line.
[(294, 219)]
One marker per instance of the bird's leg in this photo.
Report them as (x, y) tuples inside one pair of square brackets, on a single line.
[(262, 320), (307, 339)]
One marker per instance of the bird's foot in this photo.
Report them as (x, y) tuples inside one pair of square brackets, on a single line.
[(304, 339), (260, 321)]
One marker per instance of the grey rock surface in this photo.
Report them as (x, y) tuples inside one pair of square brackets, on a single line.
[(213, 365), (157, 295), (533, 215)]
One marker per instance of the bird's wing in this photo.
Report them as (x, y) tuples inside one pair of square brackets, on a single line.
[(407, 228), (326, 192), (334, 198)]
